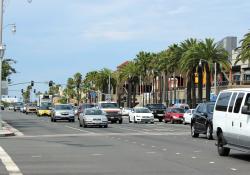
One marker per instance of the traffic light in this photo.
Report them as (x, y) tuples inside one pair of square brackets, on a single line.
[(50, 83), (22, 91), (34, 91), (32, 83)]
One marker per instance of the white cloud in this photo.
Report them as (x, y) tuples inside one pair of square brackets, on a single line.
[(179, 10)]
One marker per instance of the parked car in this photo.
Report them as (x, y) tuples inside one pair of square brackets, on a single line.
[(62, 112), (202, 120), (2, 107), (31, 108), (158, 110), (93, 117), (188, 116), (174, 115), (82, 107), (141, 114), (232, 121)]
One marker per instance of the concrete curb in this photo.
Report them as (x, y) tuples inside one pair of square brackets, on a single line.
[(6, 131)]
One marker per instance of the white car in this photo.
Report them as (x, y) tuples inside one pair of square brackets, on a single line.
[(188, 116), (141, 114), (93, 117)]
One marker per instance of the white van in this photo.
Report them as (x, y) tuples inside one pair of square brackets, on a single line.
[(231, 121)]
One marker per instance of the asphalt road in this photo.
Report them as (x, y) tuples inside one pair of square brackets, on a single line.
[(45, 148)]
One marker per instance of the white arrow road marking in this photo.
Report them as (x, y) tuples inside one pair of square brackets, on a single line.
[(9, 164)]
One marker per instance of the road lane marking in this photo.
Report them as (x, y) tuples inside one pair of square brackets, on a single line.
[(164, 149), (9, 164), (151, 152), (233, 169), (36, 156), (97, 154), (194, 157), (77, 129), (178, 153), (142, 144), (153, 146), (90, 134), (211, 162)]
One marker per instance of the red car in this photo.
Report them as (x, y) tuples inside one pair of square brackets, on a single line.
[(174, 115)]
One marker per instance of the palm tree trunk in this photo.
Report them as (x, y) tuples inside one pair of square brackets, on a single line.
[(166, 83), (174, 89), (189, 96), (161, 85), (129, 93), (134, 93), (208, 82), (200, 84), (193, 89)]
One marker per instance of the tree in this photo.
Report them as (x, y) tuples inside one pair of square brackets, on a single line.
[(69, 91), (188, 67), (26, 94), (54, 89), (244, 49), (78, 84), (7, 68), (211, 53), (142, 62)]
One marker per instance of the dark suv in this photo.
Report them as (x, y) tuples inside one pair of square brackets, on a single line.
[(158, 110), (202, 120)]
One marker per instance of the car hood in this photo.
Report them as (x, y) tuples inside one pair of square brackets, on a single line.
[(111, 109), (177, 114)]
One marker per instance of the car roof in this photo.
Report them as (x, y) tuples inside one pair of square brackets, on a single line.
[(237, 90)]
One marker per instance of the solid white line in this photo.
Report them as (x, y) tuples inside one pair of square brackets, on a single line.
[(9, 164)]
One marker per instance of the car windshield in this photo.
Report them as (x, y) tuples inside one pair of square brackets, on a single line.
[(93, 112), (63, 107), (142, 110), (210, 108), (109, 105), (44, 107), (88, 106), (178, 110), (157, 106)]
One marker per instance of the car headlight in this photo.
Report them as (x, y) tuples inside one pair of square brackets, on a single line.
[(57, 113)]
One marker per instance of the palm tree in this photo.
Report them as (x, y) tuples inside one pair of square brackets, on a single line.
[(245, 49), (78, 85), (142, 61), (69, 91), (211, 53), (175, 54), (7, 68), (188, 67)]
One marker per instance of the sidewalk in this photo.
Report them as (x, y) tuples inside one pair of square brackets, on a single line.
[(6, 131)]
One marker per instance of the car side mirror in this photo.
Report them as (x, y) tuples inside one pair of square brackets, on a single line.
[(245, 110)]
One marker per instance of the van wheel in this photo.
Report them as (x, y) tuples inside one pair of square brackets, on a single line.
[(209, 134), (193, 133), (223, 151)]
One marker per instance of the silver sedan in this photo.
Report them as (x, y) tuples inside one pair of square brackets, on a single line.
[(93, 117)]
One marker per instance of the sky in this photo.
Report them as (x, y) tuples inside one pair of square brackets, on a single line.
[(57, 38)]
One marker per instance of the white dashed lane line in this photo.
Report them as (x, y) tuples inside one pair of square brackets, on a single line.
[(9, 164)]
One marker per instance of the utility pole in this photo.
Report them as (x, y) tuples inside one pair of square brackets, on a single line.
[(1, 55)]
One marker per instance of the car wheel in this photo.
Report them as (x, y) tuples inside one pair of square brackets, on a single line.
[(120, 121), (209, 134), (135, 120), (223, 151), (54, 120), (106, 126), (166, 121), (184, 123), (51, 119), (193, 133), (80, 125), (160, 120), (129, 120), (172, 121), (84, 125), (152, 122), (73, 120)]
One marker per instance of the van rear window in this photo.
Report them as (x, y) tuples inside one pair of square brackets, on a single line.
[(223, 101)]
